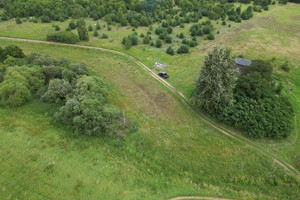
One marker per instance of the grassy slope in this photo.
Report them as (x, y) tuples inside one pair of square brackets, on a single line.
[(41, 160), (274, 33)]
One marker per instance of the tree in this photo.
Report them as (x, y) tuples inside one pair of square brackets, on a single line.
[(216, 81), (52, 72), (87, 111), (158, 43), (181, 35), (134, 23), (2, 56), (169, 30), (254, 86), (264, 68), (183, 49), (72, 24), (77, 13), (98, 27), (64, 37), (91, 28), (57, 91), (210, 36), (123, 21), (18, 20), (150, 5), (57, 28), (127, 42), (96, 33), (45, 19), (82, 31), (144, 21), (170, 51), (146, 40), (168, 39), (11, 50), (14, 89)]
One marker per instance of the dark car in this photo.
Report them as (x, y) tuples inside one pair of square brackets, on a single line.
[(163, 75)]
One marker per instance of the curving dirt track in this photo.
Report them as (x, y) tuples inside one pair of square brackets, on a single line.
[(289, 168)]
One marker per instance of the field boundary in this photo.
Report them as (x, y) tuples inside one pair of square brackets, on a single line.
[(289, 168)]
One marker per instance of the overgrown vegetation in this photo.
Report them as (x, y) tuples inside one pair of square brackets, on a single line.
[(64, 37), (254, 103), (83, 97)]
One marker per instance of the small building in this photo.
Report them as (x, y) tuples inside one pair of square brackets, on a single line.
[(240, 63)]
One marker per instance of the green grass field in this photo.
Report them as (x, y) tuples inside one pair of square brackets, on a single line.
[(42, 159), (174, 152)]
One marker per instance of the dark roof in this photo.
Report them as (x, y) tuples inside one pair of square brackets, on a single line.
[(243, 62)]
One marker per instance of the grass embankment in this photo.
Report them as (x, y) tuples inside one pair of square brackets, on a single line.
[(173, 153)]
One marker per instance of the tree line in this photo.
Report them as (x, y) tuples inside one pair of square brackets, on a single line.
[(134, 12)]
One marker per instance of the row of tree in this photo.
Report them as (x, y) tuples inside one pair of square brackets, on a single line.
[(252, 102), (134, 12)]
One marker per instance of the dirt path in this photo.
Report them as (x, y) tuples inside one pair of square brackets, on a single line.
[(205, 118)]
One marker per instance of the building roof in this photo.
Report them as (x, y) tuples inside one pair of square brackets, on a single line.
[(243, 62)]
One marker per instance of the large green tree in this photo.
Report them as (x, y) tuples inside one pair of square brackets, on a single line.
[(216, 81), (86, 110), (82, 30)]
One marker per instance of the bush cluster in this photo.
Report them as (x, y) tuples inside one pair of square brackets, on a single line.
[(82, 97), (63, 37), (260, 109)]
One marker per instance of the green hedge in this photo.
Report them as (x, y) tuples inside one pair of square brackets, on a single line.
[(64, 37)]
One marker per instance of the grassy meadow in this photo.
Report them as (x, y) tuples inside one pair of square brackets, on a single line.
[(42, 160), (173, 153)]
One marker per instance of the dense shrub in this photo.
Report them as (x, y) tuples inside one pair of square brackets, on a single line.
[(90, 28), (98, 27), (18, 20), (264, 68), (183, 49), (170, 51), (168, 39), (181, 35), (64, 37), (72, 24), (57, 91), (94, 116), (82, 31), (260, 109), (14, 90), (158, 43), (45, 19), (210, 36), (146, 40), (269, 117), (52, 72), (96, 33), (131, 40), (19, 83), (84, 98), (11, 50), (104, 36), (57, 28)]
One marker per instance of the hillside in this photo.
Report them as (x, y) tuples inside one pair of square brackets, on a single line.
[(174, 152)]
